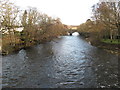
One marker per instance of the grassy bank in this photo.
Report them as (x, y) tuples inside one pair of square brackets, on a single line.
[(112, 46), (109, 41)]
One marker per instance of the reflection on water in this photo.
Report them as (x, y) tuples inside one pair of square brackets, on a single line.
[(65, 62)]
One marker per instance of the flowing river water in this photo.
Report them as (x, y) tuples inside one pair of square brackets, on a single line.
[(65, 62)]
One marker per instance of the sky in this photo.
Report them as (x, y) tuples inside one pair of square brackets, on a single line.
[(71, 12)]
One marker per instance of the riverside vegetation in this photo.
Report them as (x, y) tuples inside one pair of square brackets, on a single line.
[(103, 30), (36, 27)]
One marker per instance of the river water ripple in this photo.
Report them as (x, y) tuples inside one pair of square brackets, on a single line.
[(65, 62)]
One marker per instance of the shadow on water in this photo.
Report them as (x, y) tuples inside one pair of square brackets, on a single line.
[(65, 62)]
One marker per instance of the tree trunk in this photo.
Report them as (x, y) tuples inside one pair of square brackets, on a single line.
[(111, 37)]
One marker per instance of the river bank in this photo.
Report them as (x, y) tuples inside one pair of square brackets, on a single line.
[(20, 46), (112, 48)]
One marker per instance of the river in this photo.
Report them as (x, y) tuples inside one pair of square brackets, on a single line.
[(65, 62)]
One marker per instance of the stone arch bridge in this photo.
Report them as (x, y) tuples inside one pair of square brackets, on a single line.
[(72, 29)]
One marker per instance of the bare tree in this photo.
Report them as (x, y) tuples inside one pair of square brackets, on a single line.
[(109, 14), (8, 18)]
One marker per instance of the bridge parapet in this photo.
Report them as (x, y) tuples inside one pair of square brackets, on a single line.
[(72, 30)]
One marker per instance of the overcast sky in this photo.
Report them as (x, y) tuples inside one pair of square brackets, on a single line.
[(71, 12)]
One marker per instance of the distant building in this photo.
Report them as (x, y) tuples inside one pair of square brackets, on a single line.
[(19, 29), (5, 30)]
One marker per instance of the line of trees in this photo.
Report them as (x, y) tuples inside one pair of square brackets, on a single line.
[(105, 23), (36, 26)]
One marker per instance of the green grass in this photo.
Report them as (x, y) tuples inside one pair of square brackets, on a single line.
[(114, 41)]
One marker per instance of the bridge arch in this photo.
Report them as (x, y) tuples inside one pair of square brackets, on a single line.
[(70, 32)]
